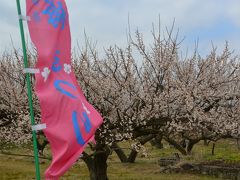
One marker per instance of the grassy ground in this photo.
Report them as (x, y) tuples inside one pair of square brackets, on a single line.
[(145, 168)]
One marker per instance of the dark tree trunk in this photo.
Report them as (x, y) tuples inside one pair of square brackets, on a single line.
[(41, 145), (213, 149), (120, 153), (189, 147), (181, 149), (132, 156), (205, 142), (97, 164), (157, 141), (191, 144), (98, 169), (143, 140)]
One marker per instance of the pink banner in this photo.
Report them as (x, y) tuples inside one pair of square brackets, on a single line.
[(71, 121)]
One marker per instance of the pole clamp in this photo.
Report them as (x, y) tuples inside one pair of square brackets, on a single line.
[(24, 18), (31, 70), (39, 127)]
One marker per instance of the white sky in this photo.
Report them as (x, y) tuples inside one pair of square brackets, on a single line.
[(106, 21)]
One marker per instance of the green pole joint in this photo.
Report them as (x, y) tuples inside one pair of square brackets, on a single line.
[(30, 102)]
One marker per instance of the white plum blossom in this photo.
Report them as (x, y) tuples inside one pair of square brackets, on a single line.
[(45, 73), (67, 68)]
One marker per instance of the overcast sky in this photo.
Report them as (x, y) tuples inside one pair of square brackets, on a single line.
[(106, 21)]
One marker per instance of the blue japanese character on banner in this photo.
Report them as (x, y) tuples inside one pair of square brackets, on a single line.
[(57, 14), (56, 67)]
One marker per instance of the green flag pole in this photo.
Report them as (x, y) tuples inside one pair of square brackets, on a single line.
[(36, 160)]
